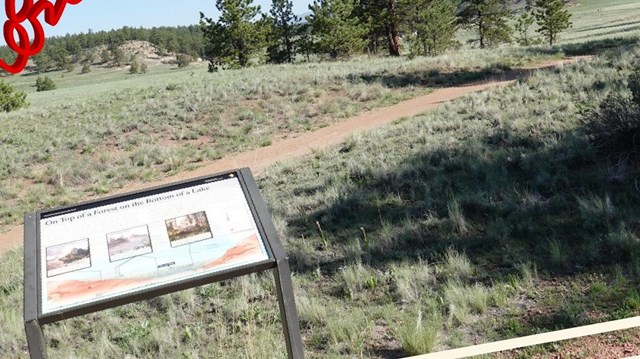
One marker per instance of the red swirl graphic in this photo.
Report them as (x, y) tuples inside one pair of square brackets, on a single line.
[(30, 11)]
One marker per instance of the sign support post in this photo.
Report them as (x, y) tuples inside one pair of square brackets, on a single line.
[(32, 327), (288, 313), (281, 274)]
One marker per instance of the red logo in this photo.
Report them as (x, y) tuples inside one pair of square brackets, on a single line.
[(30, 11)]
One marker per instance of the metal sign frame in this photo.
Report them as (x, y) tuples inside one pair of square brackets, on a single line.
[(34, 318)]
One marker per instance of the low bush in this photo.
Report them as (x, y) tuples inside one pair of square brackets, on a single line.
[(614, 127), (45, 84), (183, 60), (86, 68)]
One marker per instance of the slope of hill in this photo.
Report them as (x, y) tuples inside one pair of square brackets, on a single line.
[(488, 219)]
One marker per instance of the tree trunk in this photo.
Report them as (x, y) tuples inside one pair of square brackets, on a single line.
[(394, 41), (393, 35)]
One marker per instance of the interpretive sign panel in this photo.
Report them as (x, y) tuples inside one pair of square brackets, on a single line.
[(107, 249), (96, 255)]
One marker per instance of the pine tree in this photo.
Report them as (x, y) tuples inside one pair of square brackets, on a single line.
[(490, 18), (305, 41), (384, 19), (43, 62), (234, 38), (59, 55), (283, 32), (338, 32), (105, 56), (552, 18), (10, 98), (432, 26), (523, 23)]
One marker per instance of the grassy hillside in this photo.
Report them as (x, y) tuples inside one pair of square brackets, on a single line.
[(597, 19), (490, 218), (101, 130)]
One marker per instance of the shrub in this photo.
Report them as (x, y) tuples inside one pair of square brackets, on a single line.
[(614, 127), (183, 60), (10, 99), (135, 66), (45, 84), (86, 68)]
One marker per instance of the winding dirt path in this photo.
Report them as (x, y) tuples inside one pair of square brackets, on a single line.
[(259, 158)]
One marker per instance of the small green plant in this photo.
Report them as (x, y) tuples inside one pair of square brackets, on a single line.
[(462, 301), (557, 253), (350, 331), (599, 288), (632, 300), (457, 265), (10, 99), (420, 335), (457, 217), (45, 84)]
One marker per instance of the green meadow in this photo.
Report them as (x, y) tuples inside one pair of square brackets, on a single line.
[(492, 217)]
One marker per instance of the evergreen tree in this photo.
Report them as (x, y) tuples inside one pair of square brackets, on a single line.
[(43, 62), (385, 19), (523, 24), (305, 41), (552, 18), (283, 31), (88, 57), (432, 26), (105, 56), (235, 37), (59, 55), (10, 99), (337, 31), (490, 18)]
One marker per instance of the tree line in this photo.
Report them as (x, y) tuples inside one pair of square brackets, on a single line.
[(243, 35), (61, 52)]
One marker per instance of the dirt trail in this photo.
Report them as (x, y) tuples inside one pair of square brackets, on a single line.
[(259, 158)]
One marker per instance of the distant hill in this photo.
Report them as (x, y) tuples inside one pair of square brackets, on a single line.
[(115, 47)]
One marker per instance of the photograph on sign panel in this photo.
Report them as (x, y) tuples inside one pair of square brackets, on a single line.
[(129, 243), (68, 257), (187, 229)]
